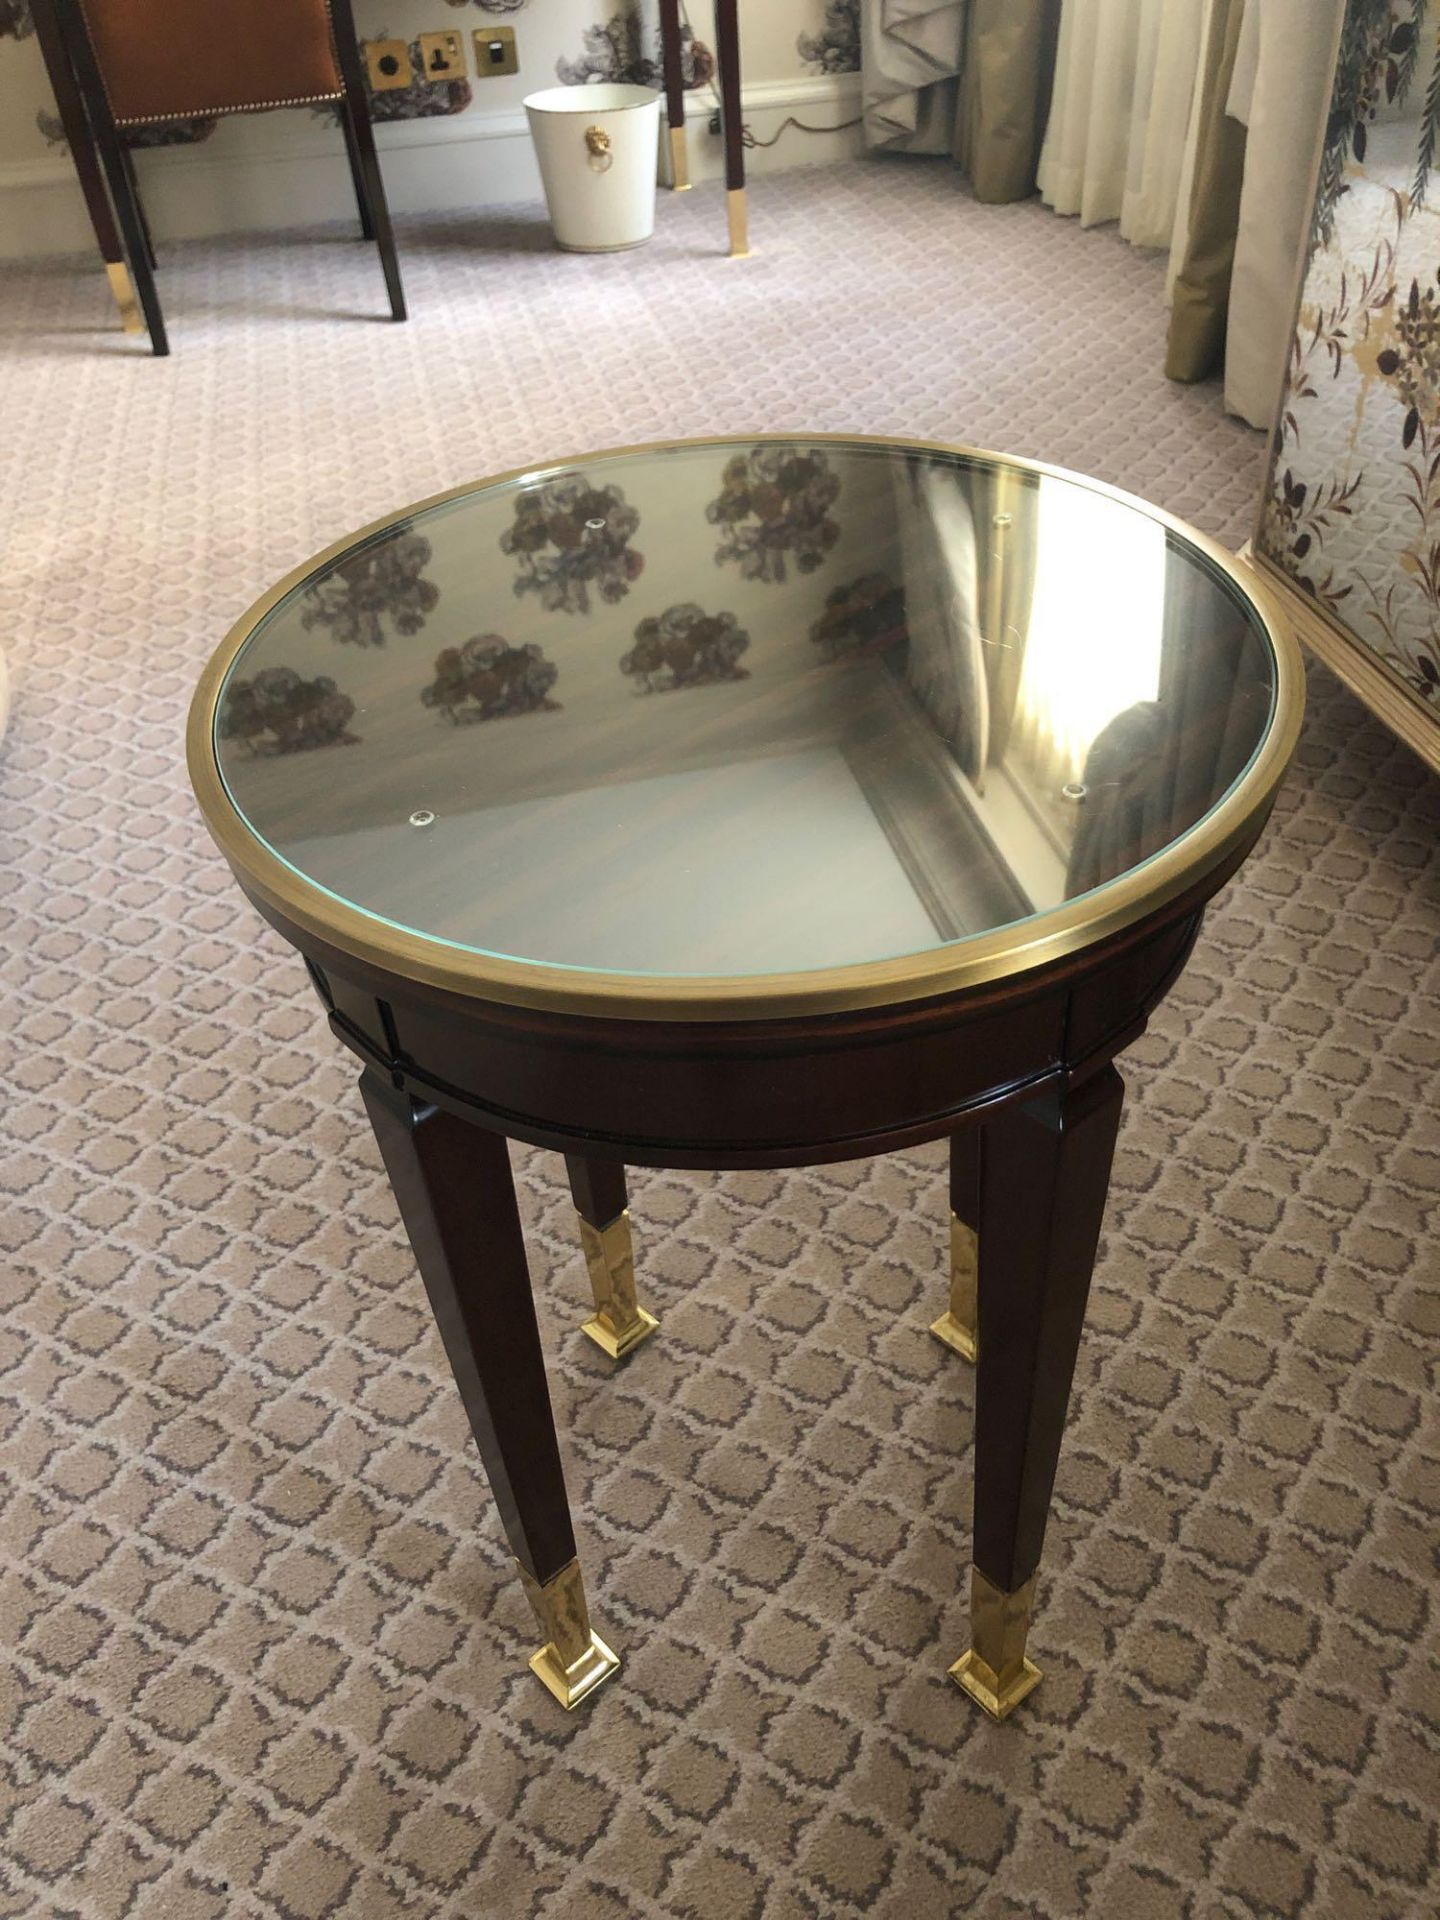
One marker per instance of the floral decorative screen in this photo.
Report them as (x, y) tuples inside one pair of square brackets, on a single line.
[(1352, 509)]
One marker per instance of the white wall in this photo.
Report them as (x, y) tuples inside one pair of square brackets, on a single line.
[(288, 168)]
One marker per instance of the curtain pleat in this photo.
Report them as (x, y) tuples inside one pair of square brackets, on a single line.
[(1005, 94), (971, 78), (1124, 81), (1201, 289)]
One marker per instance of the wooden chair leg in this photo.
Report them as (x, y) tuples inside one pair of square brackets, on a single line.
[(727, 54), (86, 161), (348, 54), (143, 218), (357, 172), (670, 48), (91, 88)]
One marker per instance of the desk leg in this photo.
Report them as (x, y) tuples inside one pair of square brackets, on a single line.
[(956, 1326), (619, 1322), (670, 49), (456, 1196), (1044, 1175), (727, 58)]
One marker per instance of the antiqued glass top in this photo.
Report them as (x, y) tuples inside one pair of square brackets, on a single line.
[(740, 708)]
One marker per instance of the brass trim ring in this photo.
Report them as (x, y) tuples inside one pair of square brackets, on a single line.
[(1004, 953)]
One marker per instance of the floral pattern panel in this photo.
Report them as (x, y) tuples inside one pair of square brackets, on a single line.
[(626, 51), (1352, 512), (836, 47)]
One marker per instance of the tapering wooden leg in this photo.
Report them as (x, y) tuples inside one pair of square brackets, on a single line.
[(86, 161), (128, 157), (1044, 1175), (356, 113), (727, 55), (357, 172), (456, 1196), (670, 51), (619, 1322), (106, 140), (956, 1326)]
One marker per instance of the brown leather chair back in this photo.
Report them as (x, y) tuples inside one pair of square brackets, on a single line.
[(181, 59)]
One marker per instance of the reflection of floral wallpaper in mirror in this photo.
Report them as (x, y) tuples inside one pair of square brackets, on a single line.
[(488, 679), (686, 647), (280, 711), (773, 501), (368, 591), (1352, 509)]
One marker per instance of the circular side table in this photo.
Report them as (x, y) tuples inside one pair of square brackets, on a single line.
[(751, 803)]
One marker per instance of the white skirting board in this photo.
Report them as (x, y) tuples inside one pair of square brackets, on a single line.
[(289, 170)]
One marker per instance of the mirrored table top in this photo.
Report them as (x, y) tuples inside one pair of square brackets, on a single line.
[(755, 717)]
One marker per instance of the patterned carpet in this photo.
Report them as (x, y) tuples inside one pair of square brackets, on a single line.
[(264, 1655)]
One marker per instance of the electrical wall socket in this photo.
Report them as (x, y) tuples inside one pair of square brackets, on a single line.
[(442, 56), (495, 51), (388, 64)]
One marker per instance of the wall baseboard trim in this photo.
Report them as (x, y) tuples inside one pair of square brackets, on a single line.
[(290, 171)]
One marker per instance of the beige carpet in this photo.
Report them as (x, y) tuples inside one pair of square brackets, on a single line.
[(263, 1655)]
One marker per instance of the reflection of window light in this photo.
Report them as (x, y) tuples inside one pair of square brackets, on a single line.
[(1096, 624)]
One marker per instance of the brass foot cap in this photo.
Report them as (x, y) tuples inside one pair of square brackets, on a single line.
[(618, 1345), (980, 1680), (961, 1339), (570, 1685)]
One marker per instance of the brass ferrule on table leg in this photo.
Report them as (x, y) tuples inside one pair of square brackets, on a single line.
[(957, 1327), (118, 274), (574, 1659), (995, 1671), (739, 222), (679, 161), (619, 1323)]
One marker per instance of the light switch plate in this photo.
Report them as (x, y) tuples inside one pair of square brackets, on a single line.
[(495, 52), (442, 57), (388, 64)]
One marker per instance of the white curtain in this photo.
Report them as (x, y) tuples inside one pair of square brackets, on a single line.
[(1114, 149)]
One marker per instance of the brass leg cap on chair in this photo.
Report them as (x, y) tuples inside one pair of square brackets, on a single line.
[(570, 1685), (998, 1697), (617, 1345), (118, 274)]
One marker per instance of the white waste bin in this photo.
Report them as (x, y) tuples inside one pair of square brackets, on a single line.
[(598, 149)]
